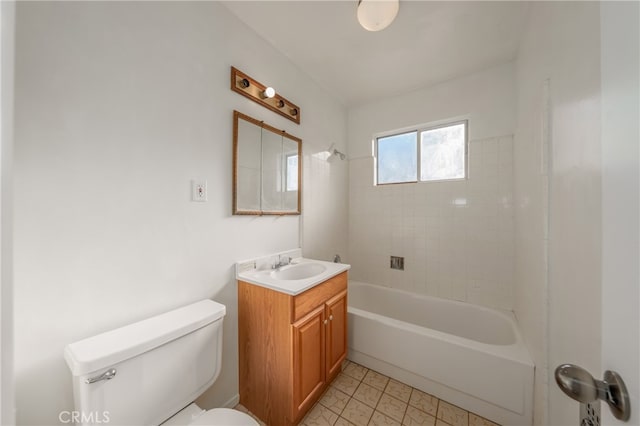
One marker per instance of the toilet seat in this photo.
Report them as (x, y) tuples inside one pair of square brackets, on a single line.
[(224, 417)]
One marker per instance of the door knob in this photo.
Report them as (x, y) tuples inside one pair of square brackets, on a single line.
[(578, 384)]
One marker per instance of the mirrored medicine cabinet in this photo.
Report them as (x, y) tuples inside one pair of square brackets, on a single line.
[(267, 170)]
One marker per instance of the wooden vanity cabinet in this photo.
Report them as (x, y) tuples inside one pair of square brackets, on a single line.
[(336, 351), (290, 347)]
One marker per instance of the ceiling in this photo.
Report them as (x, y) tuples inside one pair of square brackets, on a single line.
[(429, 42)]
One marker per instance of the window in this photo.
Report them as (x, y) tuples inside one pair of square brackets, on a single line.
[(440, 155), (397, 158), (292, 173)]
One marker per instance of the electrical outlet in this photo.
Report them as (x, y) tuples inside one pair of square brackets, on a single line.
[(590, 414), (199, 190)]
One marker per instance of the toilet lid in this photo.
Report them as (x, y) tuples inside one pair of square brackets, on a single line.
[(224, 417)]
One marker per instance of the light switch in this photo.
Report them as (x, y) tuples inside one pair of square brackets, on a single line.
[(199, 190)]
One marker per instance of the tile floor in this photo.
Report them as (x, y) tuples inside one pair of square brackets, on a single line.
[(363, 397)]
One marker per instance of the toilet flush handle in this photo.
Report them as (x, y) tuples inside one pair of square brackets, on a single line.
[(107, 375)]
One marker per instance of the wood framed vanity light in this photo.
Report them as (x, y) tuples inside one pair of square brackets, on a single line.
[(254, 90)]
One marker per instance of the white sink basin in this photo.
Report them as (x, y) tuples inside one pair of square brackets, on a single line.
[(298, 272), (295, 278)]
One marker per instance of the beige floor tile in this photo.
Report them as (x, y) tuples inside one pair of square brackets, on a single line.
[(392, 407), (475, 420), (334, 399), (398, 390), (367, 394), (357, 413), (342, 422), (415, 417), (453, 415), (424, 401), (376, 380), (320, 416), (345, 384), (379, 419), (356, 371), (353, 395)]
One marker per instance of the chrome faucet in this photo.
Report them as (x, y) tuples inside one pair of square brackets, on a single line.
[(282, 261)]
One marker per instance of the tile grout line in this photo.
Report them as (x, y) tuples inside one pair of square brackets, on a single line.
[(341, 410), (391, 396), (350, 397), (354, 392)]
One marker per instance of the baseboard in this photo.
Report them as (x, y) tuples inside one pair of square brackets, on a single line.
[(235, 400)]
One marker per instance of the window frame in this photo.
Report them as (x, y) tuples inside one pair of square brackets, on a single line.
[(377, 163), (418, 130)]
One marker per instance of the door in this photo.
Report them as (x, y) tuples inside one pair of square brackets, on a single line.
[(611, 334), (7, 43), (308, 360), (336, 333), (620, 132)]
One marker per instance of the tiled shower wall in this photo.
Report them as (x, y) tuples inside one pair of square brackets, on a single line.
[(456, 237)]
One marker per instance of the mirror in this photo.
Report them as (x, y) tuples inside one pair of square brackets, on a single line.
[(266, 168)]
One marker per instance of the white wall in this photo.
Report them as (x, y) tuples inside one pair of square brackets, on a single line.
[(453, 250), (118, 106), (557, 298), (7, 37)]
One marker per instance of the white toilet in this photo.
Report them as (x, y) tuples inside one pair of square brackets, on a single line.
[(150, 372)]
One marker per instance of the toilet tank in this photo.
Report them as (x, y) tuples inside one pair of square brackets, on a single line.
[(162, 364)]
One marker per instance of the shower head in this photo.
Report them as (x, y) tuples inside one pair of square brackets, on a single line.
[(333, 152)]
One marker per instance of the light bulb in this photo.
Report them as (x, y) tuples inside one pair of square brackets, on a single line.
[(376, 15), (269, 92)]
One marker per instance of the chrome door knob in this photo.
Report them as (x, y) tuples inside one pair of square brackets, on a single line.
[(578, 384)]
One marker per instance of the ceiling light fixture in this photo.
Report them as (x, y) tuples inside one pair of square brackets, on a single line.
[(376, 15)]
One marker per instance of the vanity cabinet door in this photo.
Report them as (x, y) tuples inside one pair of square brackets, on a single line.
[(336, 309), (308, 360)]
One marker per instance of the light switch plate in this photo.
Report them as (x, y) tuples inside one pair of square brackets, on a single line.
[(199, 190)]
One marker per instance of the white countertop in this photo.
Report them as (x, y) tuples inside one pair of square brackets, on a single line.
[(265, 277)]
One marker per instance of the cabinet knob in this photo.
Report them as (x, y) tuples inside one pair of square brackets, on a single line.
[(325, 322), (330, 317)]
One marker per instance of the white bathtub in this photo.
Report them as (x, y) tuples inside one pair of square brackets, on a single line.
[(468, 355)]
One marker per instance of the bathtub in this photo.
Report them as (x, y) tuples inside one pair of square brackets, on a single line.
[(468, 355)]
